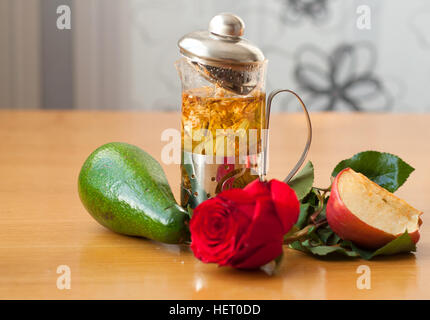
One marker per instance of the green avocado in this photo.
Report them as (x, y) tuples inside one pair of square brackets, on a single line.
[(126, 190)]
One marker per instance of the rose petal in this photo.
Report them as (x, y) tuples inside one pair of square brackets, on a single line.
[(260, 256), (257, 188), (215, 227), (239, 199), (286, 203), (244, 228), (218, 224), (264, 231), (237, 195), (207, 245)]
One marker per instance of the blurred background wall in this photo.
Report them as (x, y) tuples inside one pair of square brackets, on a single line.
[(120, 54)]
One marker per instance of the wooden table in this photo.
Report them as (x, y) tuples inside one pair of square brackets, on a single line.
[(43, 224)]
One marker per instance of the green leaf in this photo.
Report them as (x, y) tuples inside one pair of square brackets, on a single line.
[(312, 199), (385, 169), (190, 211), (333, 239), (321, 250), (303, 216), (334, 245), (293, 230), (302, 182), (401, 244), (325, 250), (325, 234), (297, 245)]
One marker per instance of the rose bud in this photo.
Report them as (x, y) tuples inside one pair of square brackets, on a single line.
[(244, 228)]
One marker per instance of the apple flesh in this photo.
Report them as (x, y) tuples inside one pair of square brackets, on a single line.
[(367, 214)]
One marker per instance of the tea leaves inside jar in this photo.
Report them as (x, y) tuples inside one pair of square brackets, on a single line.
[(215, 121)]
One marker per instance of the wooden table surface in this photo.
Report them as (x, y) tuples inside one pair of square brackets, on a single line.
[(43, 224)]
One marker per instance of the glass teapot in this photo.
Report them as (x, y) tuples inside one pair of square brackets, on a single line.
[(225, 118)]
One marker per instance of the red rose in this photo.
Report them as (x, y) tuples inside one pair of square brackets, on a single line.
[(244, 228)]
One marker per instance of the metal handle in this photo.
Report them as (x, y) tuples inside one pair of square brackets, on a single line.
[(308, 142)]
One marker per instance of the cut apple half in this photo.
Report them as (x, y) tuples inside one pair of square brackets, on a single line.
[(367, 214)]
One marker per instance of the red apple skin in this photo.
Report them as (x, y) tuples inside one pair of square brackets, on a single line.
[(347, 226)]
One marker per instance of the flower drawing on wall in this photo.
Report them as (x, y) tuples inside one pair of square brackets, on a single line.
[(345, 79), (297, 10)]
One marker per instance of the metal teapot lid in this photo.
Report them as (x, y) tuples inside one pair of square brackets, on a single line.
[(222, 44), (221, 55)]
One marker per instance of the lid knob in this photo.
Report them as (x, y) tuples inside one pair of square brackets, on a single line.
[(227, 25)]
